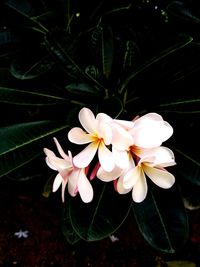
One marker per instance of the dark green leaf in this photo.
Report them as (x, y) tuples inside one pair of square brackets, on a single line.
[(81, 88), (107, 51), (181, 10), (6, 37), (20, 97), (29, 70), (162, 219), (183, 41), (21, 143), (103, 216), (71, 236)]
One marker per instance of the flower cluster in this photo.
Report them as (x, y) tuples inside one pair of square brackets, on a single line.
[(127, 153)]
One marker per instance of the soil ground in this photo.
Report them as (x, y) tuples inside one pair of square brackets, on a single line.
[(22, 206)]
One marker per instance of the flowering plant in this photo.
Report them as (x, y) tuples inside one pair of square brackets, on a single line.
[(129, 70)]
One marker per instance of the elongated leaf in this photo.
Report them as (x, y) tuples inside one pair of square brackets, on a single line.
[(107, 51), (189, 165), (68, 231), (81, 88), (21, 143), (30, 70), (7, 37), (22, 7), (180, 10), (162, 219), (20, 97), (184, 41), (183, 106), (103, 216)]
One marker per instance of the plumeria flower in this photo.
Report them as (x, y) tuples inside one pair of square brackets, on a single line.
[(98, 133), (68, 174), (152, 165), (150, 131), (21, 234)]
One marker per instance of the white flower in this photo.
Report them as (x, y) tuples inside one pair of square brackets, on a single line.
[(152, 165), (98, 133), (68, 174), (21, 234)]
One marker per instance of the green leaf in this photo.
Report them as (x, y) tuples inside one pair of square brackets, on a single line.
[(81, 88), (21, 143), (189, 165), (22, 7), (27, 69), (101, 217), (107, 51), (21, 97), (182, 106), (180, 10), (8, 37), (183, 41), (68, 231), (162, 219)]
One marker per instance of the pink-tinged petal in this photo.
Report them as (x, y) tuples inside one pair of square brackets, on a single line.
[(105, 132), (58, 163), (161, 178), (163, 156), (120, 187), (64, 183), (121, 139), (150, 131), (87, 120), (84, 187), (73, 181), (49, 153), (131, 177), (57, 182), (60, 150), (104, 117), (121, 158), (84, 158), (127, 125), (77, 136), (105, 158), (109, 176), (94, 171), (139, 191)]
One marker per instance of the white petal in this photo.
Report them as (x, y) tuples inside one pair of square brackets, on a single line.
[(105, 132), (48, 152), (161, 178), (73, 182), (87, 120), (131, 177), (122, 139), (125, 124), (104, 117), (139, 191), (59, 164), (109, 176), (77, 136), (150, 131), (84, 158), (105, 158), (84, 187), (60, 150), (57, 182), (120, 187), (164, 157), (121, 158)]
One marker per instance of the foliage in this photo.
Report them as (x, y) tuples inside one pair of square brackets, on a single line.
[(124, 58)]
